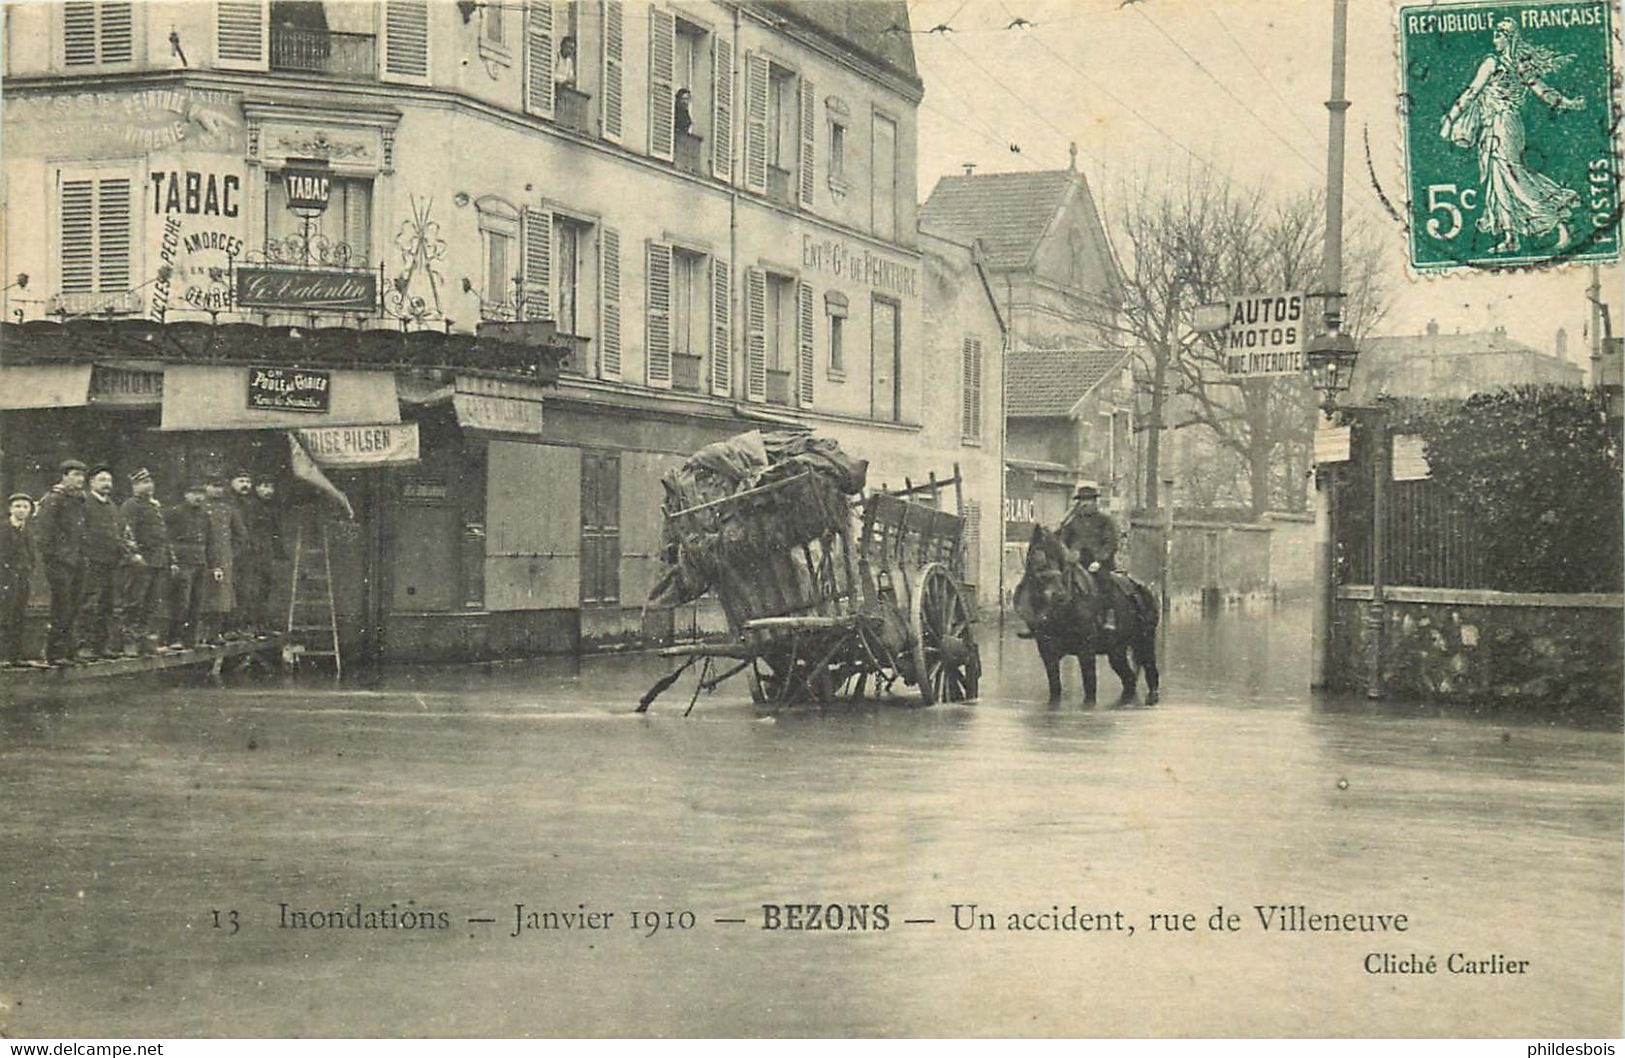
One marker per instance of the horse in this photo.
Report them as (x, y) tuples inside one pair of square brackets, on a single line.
[(1062, 604)]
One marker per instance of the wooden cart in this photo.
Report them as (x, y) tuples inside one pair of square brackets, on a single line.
[(850, 613)]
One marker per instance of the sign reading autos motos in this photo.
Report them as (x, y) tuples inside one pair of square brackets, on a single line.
[(289, 389), (297, 288), (1265, 336)]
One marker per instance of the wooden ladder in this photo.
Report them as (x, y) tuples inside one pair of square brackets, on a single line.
[(313, 622)]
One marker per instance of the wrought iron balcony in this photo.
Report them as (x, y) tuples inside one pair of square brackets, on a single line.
[(351, 55)]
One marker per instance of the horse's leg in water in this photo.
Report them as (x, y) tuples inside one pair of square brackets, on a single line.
[(1118, 656), (1051, 655), (1086, 663), (1145, 655)]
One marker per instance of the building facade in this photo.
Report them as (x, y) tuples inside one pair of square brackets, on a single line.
[(710, 204), (1458, 365)]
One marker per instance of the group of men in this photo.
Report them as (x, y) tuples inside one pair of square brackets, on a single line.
[(139, 578)]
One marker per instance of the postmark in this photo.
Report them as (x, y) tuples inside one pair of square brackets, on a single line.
[(1510, 130)]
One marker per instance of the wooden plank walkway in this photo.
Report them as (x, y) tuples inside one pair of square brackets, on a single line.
[(214, 656)]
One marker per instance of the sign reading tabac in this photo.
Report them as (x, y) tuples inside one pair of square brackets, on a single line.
[(289, 389), (1509, 141), (297, 288)]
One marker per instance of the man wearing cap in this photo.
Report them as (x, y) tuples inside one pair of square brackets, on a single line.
[(227, 535), (108, 547), (16, 566), (59, 537), (264, 518), (1092, 533), (247, 551), (142, 596), (195, 562)]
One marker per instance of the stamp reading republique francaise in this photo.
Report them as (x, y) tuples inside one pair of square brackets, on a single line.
[(1510, 124)]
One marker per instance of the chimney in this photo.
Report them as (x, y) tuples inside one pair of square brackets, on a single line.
[(970, 168), (1433, 327), (1562, 343)]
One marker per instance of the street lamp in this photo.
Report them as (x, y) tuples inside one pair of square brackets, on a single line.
[(1331, 358)]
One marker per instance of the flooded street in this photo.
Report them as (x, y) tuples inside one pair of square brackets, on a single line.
[(131, 819)]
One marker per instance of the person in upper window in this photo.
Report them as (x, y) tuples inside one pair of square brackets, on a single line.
[(682, 109), (564, 71)]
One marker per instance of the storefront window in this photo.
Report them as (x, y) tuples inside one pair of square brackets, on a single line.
[(340, 236)]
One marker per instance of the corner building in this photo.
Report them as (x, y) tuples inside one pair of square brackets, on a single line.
[(712, 203)]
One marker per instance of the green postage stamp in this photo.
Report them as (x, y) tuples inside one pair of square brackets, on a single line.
[(1510, 121)]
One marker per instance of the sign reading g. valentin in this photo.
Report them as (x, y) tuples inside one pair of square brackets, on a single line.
[(295, 288), (289, 389)]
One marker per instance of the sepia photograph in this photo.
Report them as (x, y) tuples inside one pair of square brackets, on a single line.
[(811, 519)]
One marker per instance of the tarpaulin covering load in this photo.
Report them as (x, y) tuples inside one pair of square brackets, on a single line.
[(737, 501)]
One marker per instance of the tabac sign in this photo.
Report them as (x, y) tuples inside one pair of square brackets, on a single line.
[(308, 185)]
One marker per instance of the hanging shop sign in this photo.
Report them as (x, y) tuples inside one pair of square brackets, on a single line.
[(380, 445), (1265, 335), (289, 389), (305, 289), (1332, 444), (1020, 507), (126, 388), (308, 185), (498, 406)]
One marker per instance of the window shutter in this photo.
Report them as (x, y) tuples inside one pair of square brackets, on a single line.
[(78, 36), (76, 214), (113, 235), (970, 543), (976, 407), (755, 335), (406, 39), (970, 406), (117, 32), (357, 233), (756, 77), (609, 304), (536, 231), (722, 353), (539, 58), (722, 109), (662, 65), (809, 129), (658, 346), (805, 365), (240, 33), (614, 67)]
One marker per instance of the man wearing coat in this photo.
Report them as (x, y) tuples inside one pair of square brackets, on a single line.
[(196, 566), (1092, 534), (108, 548), (228, 538), (59, 537), (141, 608), (16, 567)]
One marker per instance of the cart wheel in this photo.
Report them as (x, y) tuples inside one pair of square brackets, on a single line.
[(947, 664), (758, 682)]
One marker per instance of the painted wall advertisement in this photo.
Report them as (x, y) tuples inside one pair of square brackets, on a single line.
[(199, 217)]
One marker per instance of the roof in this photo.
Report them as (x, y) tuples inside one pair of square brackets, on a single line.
[(1008, 212), (879, 31), (1047, 382), (1442, 365), (1434, 343)]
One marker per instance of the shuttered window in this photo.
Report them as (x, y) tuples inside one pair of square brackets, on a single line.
[(755, 335), (609, 304), (98, 34), (721, 337), (240, 33), (341, 235), (600, 528), (970, 404), (804, 345), (658, 345), (94, 237), (406, 40), (970, 543), (662, 61), (614, 67), (536, 232), (539, 58), (722, 108), (808, 156), (758, 73)]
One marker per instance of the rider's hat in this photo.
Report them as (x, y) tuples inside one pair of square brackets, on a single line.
[(1086, 489)]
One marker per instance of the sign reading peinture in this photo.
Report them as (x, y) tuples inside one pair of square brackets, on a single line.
[(1265, 336), (1510, 150), (861, 265), (383, 445), (297, 288), (289, 389)]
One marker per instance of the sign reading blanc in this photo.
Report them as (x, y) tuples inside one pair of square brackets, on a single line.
[(1509, 141), (289, 389), (1264, 336), (296, 288)]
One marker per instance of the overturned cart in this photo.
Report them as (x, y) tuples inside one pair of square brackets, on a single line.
[(826, 595)]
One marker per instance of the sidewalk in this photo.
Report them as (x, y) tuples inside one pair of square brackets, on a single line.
[(18, 679)]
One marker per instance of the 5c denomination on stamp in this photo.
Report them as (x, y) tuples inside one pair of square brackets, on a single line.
[(1510, 133)]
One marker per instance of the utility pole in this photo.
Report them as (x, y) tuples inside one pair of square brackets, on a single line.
[(1332, 284), (1594, 295)]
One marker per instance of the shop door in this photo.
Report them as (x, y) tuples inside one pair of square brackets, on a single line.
[(600, 528), (425, 573), (884, 369)]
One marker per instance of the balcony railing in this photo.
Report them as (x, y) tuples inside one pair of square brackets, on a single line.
[(323, 51)]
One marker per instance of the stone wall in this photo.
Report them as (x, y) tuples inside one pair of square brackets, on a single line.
[(1558, 653)]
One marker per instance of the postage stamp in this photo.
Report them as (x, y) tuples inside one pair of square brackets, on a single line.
[(1510, 127)]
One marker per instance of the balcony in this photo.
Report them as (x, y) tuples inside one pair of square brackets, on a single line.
[(685, 372), (778, 386), (351, 55), (573, 108), (779, 186), (690, 154)]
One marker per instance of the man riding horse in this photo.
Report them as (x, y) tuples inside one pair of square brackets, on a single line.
[(1091, 534)]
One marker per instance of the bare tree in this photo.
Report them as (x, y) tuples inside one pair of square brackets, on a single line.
[(1197, 239)]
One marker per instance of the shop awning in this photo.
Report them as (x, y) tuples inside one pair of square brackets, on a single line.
[(27, 386), (223, 397)]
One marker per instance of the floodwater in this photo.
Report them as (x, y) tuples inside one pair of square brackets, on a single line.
[(131, 819)]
